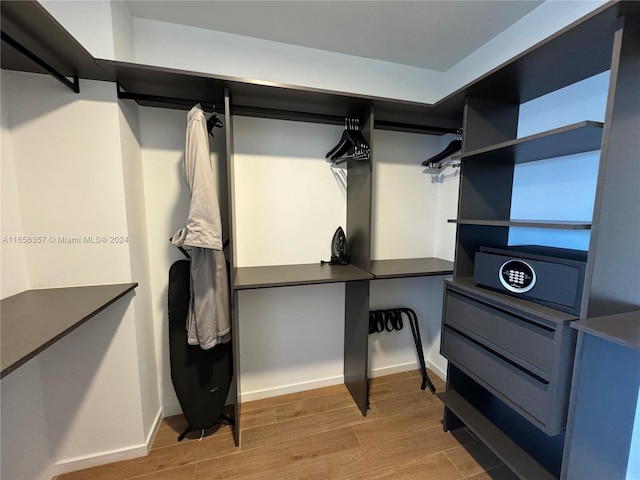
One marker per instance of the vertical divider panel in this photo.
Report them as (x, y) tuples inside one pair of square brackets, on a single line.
[(356, 322), (485, 188), (356, 342), (235, 327), (612, 275), (359, 202)]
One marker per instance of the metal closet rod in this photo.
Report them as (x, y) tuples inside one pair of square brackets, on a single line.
[(185, 102), (262, 112), (73, 86)]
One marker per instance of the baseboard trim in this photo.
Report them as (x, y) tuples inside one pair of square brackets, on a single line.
[(109, 457), (175, 409), (154, 431), (293, 388), (406, 367)]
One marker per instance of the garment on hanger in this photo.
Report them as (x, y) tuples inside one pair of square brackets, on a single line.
[(208, 322)]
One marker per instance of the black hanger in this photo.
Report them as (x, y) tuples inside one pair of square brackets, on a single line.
[(352, 144), (453, 147), (184, 252), (214, 122)]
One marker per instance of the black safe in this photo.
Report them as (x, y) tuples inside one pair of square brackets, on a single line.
[(547, 275)]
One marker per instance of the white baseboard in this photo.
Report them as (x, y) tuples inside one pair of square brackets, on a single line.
[(154, 431), (170, 410), (405, 367), (294, 388), (108, 457)]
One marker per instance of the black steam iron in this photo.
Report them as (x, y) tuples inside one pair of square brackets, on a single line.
[(338, 249)]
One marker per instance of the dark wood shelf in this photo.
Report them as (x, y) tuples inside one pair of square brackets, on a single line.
[(36, 319), (292, 275), (552, 224), (551, 64), (279, 101), (410, 267), (622, 329), (579, 137), (506, 449), (539, 70), (34, 28)]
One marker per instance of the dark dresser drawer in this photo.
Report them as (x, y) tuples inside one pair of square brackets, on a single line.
[(515, 386), (526, 340), (520, 352)]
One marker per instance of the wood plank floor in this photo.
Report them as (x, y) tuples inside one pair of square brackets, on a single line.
[(320, 435)]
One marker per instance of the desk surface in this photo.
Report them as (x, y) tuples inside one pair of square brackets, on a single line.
[(411, 267), (291, 275), (34, 320)]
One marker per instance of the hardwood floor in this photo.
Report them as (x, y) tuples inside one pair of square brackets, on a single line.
[(320, 435)]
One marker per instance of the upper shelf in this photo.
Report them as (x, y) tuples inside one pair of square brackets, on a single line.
[(586, 48), (579, 137), (280, 101), (36, 319)]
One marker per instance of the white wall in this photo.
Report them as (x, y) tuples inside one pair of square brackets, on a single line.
[(68, 181), (558, 188), (288, 199), (137, 241), (15, 278)]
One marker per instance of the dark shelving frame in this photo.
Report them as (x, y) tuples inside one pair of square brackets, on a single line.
[(489, 101), (490, 152)]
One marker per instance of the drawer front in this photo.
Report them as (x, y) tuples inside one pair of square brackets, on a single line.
[(530, 342), (524, 392)]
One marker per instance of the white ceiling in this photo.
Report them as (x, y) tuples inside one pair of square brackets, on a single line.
[(429, 34)]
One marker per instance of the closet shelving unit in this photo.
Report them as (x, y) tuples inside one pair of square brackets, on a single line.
[(487, 109), (511, 361)]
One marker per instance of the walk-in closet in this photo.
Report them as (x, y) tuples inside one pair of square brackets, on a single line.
[(426, 177)]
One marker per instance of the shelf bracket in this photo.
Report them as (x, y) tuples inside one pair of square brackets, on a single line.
[(73, 86)]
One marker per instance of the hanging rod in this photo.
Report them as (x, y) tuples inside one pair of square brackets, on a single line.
[(411, 128), (182, 102), (328, 119), (291, 115), (73, 86)]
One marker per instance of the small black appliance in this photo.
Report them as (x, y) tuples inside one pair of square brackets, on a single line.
[(338, 249)]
